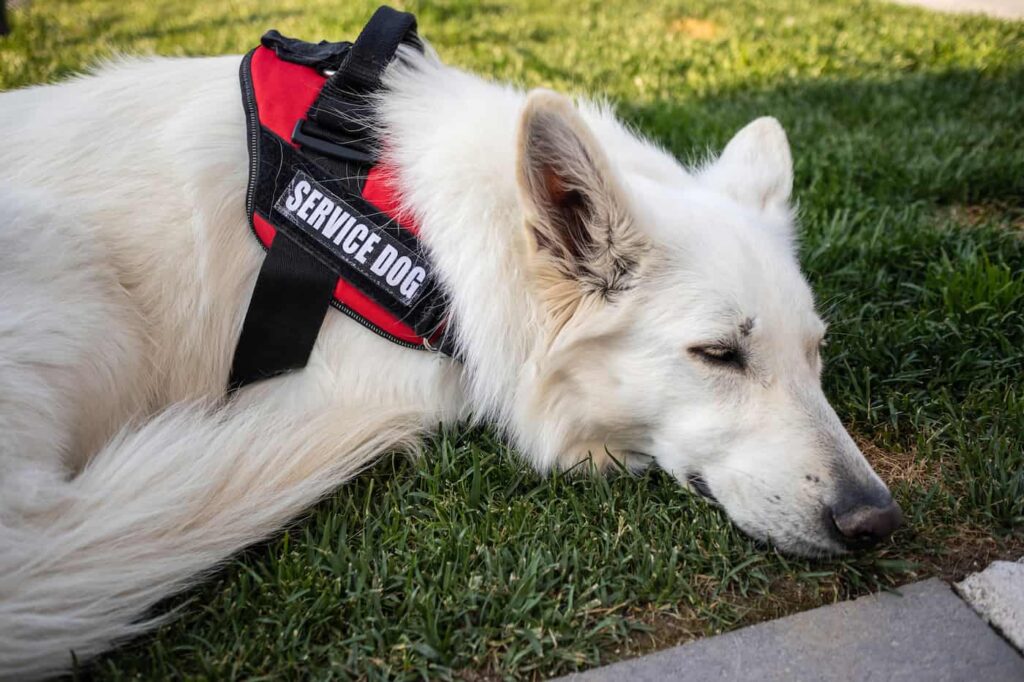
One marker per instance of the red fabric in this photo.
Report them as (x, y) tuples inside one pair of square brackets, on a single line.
[(373, 312), (284, 92), (380, 192), (264, 230)]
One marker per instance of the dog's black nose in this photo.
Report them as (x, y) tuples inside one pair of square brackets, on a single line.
[(865, 525)]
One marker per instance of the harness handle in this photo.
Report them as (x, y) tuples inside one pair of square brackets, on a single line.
[(359, 73), (374, 49)]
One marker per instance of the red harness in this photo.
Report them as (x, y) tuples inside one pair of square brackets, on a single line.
[(314, 176), (284, 92)]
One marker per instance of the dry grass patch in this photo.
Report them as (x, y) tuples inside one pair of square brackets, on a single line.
[(968, 550), (1000, 214), (697, 29), (906, 467), (661, 628)]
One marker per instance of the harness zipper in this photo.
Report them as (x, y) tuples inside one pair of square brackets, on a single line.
[(352, 315), (251, 121)]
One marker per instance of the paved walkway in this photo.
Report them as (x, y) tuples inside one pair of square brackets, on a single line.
[(1003, 9), (924, 633)]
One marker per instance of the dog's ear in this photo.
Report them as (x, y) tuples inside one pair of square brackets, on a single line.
[(577, 217), (756, 166)]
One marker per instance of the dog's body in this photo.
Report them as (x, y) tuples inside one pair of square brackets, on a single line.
[(607, 303)]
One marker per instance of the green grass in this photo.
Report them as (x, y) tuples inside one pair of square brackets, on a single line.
[(907, 134)]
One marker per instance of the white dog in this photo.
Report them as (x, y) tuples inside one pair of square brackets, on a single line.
[(608, 303)]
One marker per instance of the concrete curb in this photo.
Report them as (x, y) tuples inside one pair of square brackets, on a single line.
[(925, 632), (997, 594)]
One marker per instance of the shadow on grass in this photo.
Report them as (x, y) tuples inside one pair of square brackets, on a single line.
[(946, 137)]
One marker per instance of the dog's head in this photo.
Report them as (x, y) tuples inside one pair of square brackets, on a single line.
[(678, 327)]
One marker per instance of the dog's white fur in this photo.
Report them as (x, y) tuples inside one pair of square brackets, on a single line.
[(126, 269)]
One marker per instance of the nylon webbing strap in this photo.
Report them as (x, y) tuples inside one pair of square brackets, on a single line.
[(288, 305), (374, 48), (341, 106)]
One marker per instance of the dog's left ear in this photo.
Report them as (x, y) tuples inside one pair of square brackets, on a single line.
[(580, 228), (756, 166)]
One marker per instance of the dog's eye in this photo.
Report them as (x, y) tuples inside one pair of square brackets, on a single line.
[(725, 356)]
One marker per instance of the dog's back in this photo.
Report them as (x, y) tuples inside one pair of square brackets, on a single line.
[(144, 164)]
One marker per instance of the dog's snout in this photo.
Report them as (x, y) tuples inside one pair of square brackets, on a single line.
[(865, 525)]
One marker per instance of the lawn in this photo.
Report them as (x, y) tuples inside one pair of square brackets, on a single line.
[(909, 145)]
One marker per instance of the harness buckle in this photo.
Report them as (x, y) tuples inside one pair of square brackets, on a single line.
[(309, 136)]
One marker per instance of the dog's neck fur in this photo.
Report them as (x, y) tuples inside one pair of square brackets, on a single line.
[(443, 126)]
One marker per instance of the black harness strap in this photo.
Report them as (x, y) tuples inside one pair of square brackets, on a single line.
[(360, 72), (294, 288), (288, 305), (375, 47)]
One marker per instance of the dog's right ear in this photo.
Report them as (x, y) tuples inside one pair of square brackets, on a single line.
[(577, 217)]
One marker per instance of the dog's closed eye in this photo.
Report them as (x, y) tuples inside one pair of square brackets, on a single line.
[(720, 355)]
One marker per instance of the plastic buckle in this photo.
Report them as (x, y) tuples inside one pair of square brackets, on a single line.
[(307, 139)]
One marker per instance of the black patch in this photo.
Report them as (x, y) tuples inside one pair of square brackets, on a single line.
[(353, 238)]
